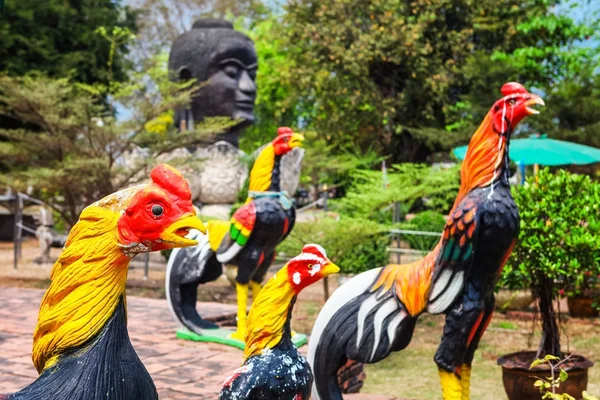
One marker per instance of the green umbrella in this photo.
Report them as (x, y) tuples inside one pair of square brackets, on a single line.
[(538, 149)]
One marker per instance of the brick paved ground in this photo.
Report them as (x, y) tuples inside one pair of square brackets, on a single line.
[(180, 369)]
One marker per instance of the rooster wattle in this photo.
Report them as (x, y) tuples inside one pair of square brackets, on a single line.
[(375, 313), (81, 347), (273, 369)]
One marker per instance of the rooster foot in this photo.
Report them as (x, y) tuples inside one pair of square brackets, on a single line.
[(238, 335)]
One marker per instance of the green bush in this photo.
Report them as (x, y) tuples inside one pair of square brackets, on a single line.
[(558, 248), (426, 221), (560, 233), (355, 245), (415, 186)]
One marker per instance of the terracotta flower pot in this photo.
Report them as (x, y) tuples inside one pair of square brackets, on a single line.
[(518, 379), (581, 307)]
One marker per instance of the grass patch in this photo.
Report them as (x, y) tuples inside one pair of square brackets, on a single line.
[(505, 325), (412, 373)]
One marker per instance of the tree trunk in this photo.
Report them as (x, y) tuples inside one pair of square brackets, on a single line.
[(550, 343)]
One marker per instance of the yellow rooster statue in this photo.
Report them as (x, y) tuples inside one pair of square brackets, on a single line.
[(81, 347), (273, 369)]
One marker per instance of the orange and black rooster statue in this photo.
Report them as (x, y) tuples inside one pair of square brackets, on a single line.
[(375, 313), (248, 241), (80, 346), (273, 368)]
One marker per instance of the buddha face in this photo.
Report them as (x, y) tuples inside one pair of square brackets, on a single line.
[(230, 89)]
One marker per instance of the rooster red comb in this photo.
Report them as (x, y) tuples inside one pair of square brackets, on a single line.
[(171, 180), (284, 130), (512, 88), (315, 249)]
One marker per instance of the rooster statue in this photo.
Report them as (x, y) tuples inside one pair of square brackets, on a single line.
[(248, 241), (375, 313), (273, 369), (80, 346)]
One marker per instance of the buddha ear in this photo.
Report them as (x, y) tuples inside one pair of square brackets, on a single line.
[(184, 120)]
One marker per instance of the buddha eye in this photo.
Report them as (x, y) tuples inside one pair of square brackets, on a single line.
[(231, 70), (252, 73), (157, 210)]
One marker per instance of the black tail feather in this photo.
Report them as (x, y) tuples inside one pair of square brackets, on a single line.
[(338, 341), (188, 268)]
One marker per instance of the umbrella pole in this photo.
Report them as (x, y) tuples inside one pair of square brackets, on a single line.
[(536, 169), (522, 172)]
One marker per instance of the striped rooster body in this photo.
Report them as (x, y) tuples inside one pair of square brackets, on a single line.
[(375, 313)]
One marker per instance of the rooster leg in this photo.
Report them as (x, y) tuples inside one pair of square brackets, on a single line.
[(451, 385), (242, 302), (463, 322), (473, 344), (255, 286), (465, 380)]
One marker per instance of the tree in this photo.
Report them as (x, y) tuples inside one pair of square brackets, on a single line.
[(575, 103), (78, 151), (58, 38), (558, 244), (162, 21), (409, 76)]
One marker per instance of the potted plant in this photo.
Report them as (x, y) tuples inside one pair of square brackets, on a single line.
[(559, 242)]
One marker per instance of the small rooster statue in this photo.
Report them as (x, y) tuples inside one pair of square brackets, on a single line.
[(273, 369), (248, 241), (80, 346), (375, 313)]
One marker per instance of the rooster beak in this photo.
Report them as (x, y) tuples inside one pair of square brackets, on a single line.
[(175, 233), (533, 100), (296, 140), (330, 269)]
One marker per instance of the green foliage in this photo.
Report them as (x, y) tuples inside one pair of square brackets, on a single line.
[(400, 76), (575, 102), (426, 221), (560, 233), (355, 245), (75, 151), (368, 197), (322, 165), (58, 38), (558, 247)]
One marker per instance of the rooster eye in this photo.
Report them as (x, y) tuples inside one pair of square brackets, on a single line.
[(157, 210), (512, 102), (310, 266)]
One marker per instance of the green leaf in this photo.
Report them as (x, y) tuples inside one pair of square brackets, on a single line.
[(563, 375), (536, 362)]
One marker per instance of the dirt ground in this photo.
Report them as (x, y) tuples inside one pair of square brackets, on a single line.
[(408, 374)]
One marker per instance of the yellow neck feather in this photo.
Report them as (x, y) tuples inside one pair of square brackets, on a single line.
[(260, 176), (268, 315), (88, 281)]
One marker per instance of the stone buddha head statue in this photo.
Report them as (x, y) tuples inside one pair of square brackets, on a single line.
[(225, 59)]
